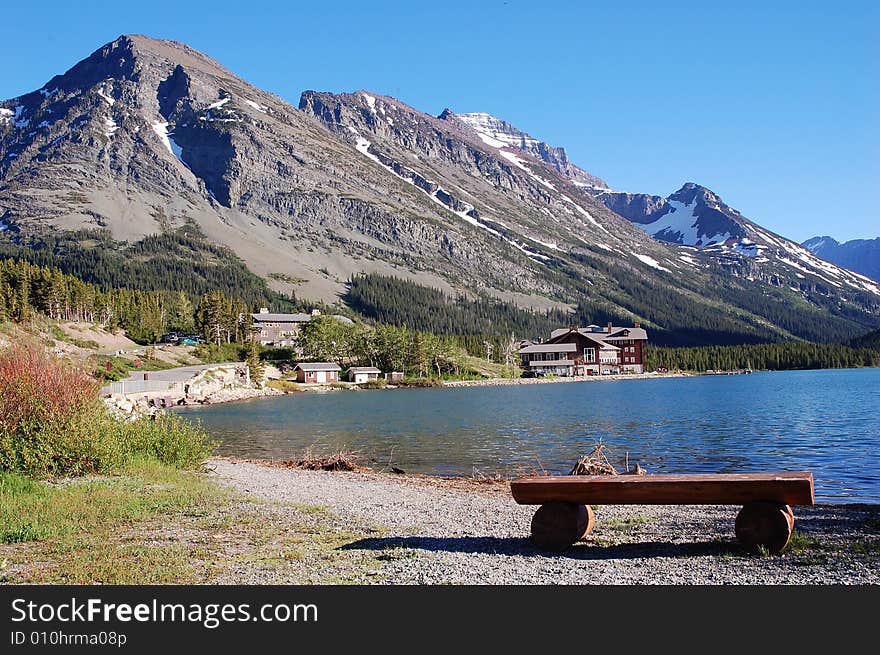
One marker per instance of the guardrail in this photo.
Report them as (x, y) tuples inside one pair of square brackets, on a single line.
[(141, 386)]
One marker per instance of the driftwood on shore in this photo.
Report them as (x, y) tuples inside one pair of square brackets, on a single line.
[(339, 461), (596, 463)]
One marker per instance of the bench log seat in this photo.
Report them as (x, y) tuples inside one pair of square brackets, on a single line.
[(765, 521)]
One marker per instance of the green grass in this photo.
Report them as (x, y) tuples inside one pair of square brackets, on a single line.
[(801, 543), (36, 510), (98, 529), (286, 386), (155, 524), (627, 524), (867, 547)]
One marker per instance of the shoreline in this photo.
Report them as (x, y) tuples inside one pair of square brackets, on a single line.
[(252, 394), (501, 382), (417, 529)]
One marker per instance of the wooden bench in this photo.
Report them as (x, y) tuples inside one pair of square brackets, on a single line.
[(765, 521)]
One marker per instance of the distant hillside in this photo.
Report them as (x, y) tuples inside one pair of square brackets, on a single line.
[(180, 260)]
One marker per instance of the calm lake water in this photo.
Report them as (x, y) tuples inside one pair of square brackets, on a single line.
[(826, 421)]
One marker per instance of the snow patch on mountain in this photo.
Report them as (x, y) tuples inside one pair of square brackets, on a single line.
[(519, 163), (681, 225), (489, 141), (495, 133), (583, 212), (257, 106), (107, 98), (166, 137), (546, 244), (17, 119), (650, 261)]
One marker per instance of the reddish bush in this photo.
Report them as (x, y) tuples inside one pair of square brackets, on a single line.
[(52, 423), (36, 387)]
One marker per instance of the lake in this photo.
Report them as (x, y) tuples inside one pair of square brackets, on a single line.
[(823, 421)]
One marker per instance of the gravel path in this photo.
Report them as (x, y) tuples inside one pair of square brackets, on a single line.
[(462, 532)]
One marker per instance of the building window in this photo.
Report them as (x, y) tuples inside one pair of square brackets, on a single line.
[(589, 355)]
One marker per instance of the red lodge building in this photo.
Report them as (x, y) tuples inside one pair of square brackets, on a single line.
[(592, 350)]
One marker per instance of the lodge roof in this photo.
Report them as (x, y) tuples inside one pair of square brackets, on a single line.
[(550, 348), (603, 334), (318, 366), (282, 318)]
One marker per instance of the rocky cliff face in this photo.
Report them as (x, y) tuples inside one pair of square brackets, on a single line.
[(147, 135)]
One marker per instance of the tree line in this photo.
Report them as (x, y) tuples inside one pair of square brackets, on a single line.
[(26, 289), (386, 299), (221, 318), (180, 260), (768, 356)]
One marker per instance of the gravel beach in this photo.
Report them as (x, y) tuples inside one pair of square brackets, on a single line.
[(424, 530)]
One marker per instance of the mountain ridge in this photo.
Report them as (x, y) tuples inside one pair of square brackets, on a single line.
[(145, 136)]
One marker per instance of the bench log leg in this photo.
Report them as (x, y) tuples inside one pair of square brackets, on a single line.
[(764, 524), (558, 525)]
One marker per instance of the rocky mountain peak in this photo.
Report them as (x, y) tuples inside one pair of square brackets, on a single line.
[(816, 244), (691, 191), (498, 133)]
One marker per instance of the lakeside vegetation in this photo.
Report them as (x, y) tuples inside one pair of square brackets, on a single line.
[(86, 498), (53, 424)]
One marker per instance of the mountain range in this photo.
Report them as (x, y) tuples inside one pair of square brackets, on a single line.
[(861, 255), (147, 136)]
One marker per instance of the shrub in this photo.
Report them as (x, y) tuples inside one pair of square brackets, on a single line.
[(168, 438), (35, 387), (211, 353), (52, 423), (49, 413), (286, 386)]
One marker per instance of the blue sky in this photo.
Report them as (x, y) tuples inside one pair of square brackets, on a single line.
[(777, 108)]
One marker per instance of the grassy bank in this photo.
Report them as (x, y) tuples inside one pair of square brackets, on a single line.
[(151, 523), (86, 498), (102, 529)]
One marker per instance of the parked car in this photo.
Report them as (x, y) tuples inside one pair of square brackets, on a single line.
[(191, 340), (172, 338), (530, 373)]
